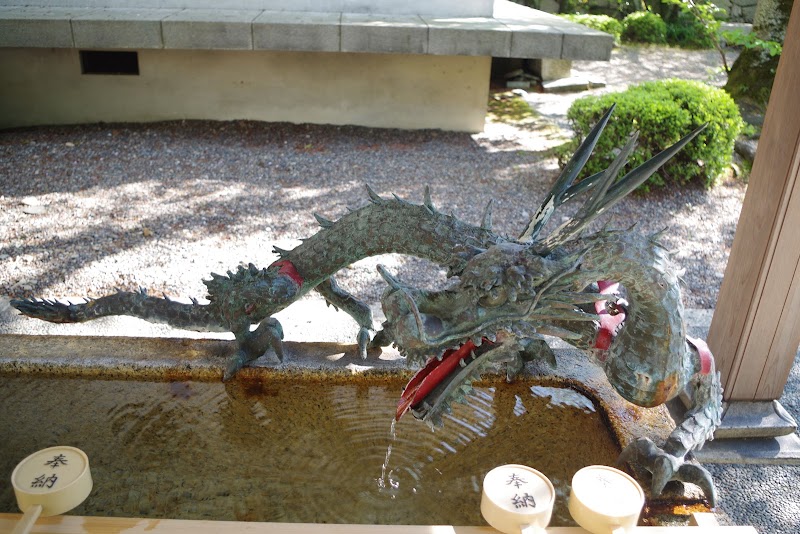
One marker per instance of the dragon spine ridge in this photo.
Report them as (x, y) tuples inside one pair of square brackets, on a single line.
[(614, 294)]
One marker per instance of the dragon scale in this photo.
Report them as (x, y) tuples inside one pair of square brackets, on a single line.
[(386, 226), (653, 306)]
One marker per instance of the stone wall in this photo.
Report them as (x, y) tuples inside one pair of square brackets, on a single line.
[(738, 10)]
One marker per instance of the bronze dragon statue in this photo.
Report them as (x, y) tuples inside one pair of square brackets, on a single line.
[(614, 294)]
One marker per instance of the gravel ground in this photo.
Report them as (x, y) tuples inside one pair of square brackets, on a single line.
[(85, 209)]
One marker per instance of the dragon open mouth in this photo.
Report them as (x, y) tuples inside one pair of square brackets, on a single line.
[(437, 374)]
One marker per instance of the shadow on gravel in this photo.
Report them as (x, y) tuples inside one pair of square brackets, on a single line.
[(163, 205), (111, 191)]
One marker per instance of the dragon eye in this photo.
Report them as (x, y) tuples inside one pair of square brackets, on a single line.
[(495, 297)]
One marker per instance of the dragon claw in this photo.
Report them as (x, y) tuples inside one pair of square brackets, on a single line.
[(700, 477), (273, 332), (236, 362), (380, 339), (269, 334), (665, 467), (363, 342)]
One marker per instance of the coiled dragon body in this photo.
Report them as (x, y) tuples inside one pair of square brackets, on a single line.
[(614, 294)]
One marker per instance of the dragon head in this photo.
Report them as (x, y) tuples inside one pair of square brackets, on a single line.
[(486, 320), (509, 294)]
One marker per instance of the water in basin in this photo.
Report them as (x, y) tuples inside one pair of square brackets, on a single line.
[(299, 450)]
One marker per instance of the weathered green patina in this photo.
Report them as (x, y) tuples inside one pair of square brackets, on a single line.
[(614, 294)]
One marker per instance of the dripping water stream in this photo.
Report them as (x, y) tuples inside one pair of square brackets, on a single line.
[(386, 483)]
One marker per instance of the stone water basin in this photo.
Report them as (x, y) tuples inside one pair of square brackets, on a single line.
[(309, 441)]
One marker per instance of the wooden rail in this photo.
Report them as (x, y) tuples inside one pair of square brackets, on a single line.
[(108, 525)]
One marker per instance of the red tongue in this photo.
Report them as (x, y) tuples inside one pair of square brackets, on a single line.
[(431, 375)]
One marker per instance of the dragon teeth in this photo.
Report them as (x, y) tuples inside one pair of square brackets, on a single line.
[(477, 341), (462, 363)]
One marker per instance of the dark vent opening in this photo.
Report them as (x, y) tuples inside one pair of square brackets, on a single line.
[(98, 62)]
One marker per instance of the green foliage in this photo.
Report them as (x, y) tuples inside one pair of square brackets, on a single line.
[(644, 27), (751, 41), (705, 11), (690, 32), (603, 23), (663, 112)]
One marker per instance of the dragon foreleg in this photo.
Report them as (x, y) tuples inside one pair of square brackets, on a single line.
[(360, 312), (698, 425)]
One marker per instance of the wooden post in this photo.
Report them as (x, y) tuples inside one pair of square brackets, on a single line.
[(755, 330)]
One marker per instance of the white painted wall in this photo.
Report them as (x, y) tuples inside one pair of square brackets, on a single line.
[(450, 8), (394, 91)]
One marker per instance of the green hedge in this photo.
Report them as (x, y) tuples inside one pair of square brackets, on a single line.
[(663, 112), (644, 27), (603, 23)]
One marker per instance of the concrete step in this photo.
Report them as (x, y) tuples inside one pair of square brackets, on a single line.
[(758, 419), (781, 450)]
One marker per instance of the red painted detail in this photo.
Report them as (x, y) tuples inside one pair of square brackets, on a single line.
[(287, 268), (248, 308), (603, 339), (704, 353), (608, 323), (427, 378)]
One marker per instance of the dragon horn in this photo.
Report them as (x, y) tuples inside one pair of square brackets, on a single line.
[(389, 278), (637, 176), (582, 186), (611, 195), (610, 174), (556, 195)]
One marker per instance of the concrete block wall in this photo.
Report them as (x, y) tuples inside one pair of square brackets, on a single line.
[(162, 62), (409, 91), (458, 8)]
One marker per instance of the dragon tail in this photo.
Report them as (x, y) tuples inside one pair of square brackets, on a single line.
[(135, 304)]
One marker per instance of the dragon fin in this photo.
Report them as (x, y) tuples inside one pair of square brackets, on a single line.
[(374, 197), (486, 220), (323, 222), (427, 201)]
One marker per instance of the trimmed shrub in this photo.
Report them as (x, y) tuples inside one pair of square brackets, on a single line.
[(603, 23), (644, 27), (663, 112)]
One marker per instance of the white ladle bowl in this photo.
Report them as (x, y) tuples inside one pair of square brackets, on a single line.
[(517, 499), (604, 500), (50, 482)]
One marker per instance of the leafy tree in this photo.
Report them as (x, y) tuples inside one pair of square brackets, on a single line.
[(751, 76)]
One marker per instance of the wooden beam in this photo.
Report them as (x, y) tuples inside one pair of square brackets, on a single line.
[(755, 330), (108, 525)]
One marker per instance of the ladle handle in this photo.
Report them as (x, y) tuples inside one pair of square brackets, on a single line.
[(531, 529), (25, 523)]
